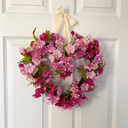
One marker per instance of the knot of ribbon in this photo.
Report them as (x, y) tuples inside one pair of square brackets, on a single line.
[(58, 20)]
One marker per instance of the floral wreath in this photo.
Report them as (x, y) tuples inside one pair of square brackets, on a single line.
[(50, 52)]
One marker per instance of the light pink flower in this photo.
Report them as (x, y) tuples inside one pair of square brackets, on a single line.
[(30, 79), (29, 68), (38, 44), (35, 71), (51, 48), (36, 61), (51, 58), (84, 87), (70, 48), (57, 54), (22, 50), (75, 95), (89, 38), (74, 88), (59, 91), (90, 75), (29, 49)]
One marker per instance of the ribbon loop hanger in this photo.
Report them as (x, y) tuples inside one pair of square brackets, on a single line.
[(58, 20)]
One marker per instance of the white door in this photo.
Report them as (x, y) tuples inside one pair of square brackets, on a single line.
[(106, 20)]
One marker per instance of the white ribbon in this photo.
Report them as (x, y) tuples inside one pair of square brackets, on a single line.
[(58, 20)]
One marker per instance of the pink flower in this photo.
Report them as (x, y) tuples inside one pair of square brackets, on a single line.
[(21, 66), (62, 69), (70, 48), (30, 79), (22, 50), (84, 87), (39, 81), (37, 93), (96, 43), (38, 44), (89, 38), (101, 70), (74, 87), (75, 95), (59, 91), (35, 71), (48, 81), (44, 89), (72, 32), (78, 36), (46, 74), (51, 58), (51, 48), (29, 68), (90, 75), (36, 61), (43, 36), (57, 54), (54, 64)]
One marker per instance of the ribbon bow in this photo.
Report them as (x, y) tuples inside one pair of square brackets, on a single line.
[(58, 20)]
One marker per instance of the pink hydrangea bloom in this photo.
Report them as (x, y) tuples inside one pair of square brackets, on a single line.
[(70, 48), (90, 75), (29, 68)]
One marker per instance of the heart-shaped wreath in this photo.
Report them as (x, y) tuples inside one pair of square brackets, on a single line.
[(50, 52)]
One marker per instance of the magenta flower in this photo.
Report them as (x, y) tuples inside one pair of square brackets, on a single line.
[(39, 81), (72, 32), (43, 36), (70, 48)]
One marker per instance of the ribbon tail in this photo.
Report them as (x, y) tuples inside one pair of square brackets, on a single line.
[(71, 21), (58, 19), (66, 33)]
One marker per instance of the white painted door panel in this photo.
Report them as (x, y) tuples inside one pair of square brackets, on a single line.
[(106, 20)]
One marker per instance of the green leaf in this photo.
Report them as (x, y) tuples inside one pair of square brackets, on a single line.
[(32, 42), (48, 34), (91, 89), (23, 54), (59, 73), (42, 68), (83, 71), (95, 47), (34, 34), (27, 59)]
